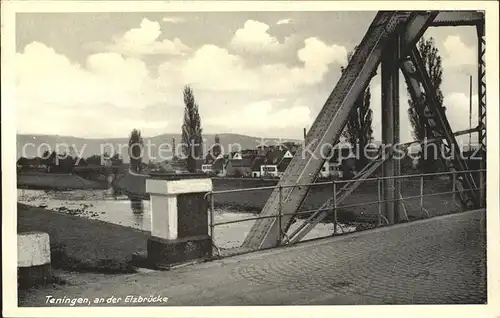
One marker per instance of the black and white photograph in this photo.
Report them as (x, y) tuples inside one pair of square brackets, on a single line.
[(209, 153)]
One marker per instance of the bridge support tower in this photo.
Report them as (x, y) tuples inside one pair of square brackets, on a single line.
[(390, 127)]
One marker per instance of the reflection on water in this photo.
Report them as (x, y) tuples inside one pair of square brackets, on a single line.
[(137, 206), (104, 206), (138, 220)]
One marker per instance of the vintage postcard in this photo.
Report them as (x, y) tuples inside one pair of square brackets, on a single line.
[(250, 159)]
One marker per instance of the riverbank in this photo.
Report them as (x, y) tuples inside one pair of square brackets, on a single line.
[(251, 195), (81, 244), (248, 197), (56, 181)]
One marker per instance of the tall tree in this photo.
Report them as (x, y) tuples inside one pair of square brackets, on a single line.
[(358, 130), (432, 61), (192, 142), (50, 159), (216, 149), (135, 149)]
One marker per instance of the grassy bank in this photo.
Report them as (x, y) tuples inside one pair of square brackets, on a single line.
[(56, 181), (81, 244)]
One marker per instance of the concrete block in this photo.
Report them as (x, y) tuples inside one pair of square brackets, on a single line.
[(173, 187), (164, 253), (33, 259), (179, 221), (163, 216), (192, 215), (165, 207)]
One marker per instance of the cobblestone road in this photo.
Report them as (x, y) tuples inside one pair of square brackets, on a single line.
[(435, 261)]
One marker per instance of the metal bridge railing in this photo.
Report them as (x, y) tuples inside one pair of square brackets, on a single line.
[(338, 225)]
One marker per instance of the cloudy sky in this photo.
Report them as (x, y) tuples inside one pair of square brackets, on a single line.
[(258, 73)]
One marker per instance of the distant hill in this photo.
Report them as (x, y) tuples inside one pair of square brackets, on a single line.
[(153, 145)]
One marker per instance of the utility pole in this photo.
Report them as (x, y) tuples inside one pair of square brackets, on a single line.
[(470, 112), (174, 155)]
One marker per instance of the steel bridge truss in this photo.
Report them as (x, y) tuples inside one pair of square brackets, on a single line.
[(393, 35)]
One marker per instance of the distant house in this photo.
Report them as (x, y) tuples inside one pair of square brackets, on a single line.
[(32, 164), (288, 154), (219, 167), (178, 165), (256, 166), (325, 170), (208, 164), (239, 167), (263, 149), (210, 158), (270, 166), (235, 156), (206, 168), (332, 168), (246, 153), (268, 170), (163, 167), (276, 162), (283, 165), (290, 145), (341, 162), (199, 164), (274, 157)]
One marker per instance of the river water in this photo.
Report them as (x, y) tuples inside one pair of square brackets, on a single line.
[(104, 206)]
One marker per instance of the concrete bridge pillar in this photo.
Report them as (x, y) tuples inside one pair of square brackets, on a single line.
[(179, 219), (33, 259)]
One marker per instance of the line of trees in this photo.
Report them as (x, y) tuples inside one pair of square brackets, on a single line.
[(433, 66), (358, 130), (63, 163)]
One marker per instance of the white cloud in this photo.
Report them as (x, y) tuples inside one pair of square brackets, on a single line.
[(457, 54), (317, 56), (261, 117), (284, 21), (68, 97), (458, 109), (215, 68), (173, 19), (106, 78), (107, 93), (254, 37), (103, 95), (457, 112), (405, 129), (144, 41)]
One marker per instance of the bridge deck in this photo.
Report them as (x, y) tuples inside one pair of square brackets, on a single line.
[(438, 260)]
